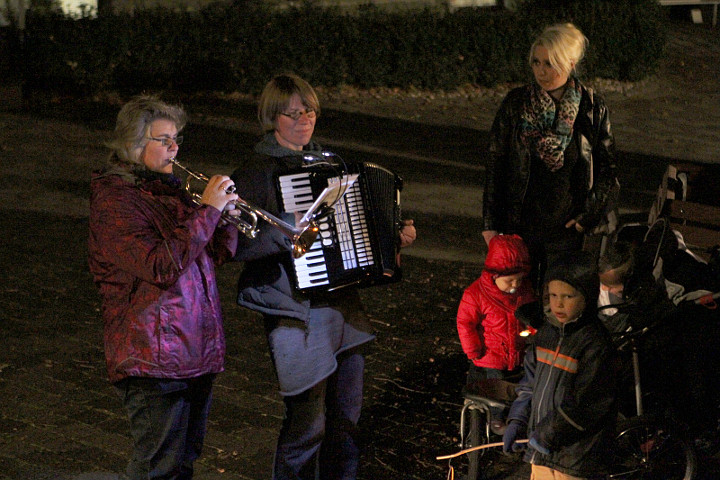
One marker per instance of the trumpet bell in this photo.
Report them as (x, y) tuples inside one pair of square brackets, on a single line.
[(305, 239), (247, 223)]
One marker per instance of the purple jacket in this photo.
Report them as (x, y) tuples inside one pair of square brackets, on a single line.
[(152, 254)]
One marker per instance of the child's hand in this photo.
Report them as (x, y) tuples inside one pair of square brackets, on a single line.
[(514, 431), (477, 361)]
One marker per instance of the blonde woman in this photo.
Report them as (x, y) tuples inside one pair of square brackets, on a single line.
[(551, 167)]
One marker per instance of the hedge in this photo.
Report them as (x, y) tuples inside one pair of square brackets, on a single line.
[(239, 46)]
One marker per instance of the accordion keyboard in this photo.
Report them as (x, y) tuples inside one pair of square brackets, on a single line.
[(346, 249), (352, 230)]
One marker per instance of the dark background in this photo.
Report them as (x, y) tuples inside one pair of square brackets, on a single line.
[(59, 418)]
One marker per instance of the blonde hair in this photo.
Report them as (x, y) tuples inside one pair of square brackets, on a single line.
[(275, 98), (565, 44), (133, 123)]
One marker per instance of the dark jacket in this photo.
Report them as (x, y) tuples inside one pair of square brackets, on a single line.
[(508, 167), (329, 324), (266, 284), (152, 254), (568, 394)]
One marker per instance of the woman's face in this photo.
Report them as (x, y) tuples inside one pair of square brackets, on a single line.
[(295, 134), (545, 75), (155, 155)]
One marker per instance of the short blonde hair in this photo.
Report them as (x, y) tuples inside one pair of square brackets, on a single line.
[(275, 98), (565, 44), (134, 121)]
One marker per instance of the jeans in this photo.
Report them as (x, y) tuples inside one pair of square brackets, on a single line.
[(317, 435), (168, 421)]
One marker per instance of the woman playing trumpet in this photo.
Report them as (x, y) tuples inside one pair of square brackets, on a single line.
[(152, 253)]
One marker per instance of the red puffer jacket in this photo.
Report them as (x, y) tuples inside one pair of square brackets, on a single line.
[(152, 255), (486, 323)]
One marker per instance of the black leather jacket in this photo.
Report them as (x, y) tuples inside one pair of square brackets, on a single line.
[(508, 168)]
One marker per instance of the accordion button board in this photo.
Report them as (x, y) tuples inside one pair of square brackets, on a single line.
[(357, 244)]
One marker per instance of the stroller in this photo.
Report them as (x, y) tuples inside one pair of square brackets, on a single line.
[(668, 329)]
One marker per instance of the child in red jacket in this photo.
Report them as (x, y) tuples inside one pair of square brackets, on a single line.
[(486, 323)]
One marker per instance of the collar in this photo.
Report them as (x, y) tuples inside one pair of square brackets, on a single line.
[(270, 146), (570, 326)]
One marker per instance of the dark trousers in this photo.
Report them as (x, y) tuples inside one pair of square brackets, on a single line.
[(476, 374), (317, 434), (168, 423), (544, 252)]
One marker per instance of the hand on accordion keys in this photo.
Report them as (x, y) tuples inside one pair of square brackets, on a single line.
[(407, 233)]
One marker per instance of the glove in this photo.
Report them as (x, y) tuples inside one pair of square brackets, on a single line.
[(514, 431), (534, 442)]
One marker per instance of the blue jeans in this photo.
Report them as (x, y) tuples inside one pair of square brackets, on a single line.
[(168, 423), (317, 434)]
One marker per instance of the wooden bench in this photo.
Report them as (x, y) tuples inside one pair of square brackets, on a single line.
[(688, 198), (714, 3)]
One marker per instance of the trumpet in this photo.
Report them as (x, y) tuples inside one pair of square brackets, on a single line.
[(302, 238)]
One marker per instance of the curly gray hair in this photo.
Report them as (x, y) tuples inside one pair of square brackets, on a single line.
[(133, 123)]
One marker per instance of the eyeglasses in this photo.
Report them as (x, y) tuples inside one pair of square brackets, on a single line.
[(168, 141), (295, 115)]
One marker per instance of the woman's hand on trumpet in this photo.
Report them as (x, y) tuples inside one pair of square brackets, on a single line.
[(220, 193)]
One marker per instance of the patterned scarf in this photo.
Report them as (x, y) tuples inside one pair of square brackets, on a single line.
[(537, 130)]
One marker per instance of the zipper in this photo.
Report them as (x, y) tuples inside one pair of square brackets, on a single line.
[(543, 391)]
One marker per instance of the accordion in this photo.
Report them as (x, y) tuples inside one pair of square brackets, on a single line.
[(357, 243)]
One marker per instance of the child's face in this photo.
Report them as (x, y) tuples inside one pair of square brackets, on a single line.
[(611, 281), (509, 283), (566, 302)]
